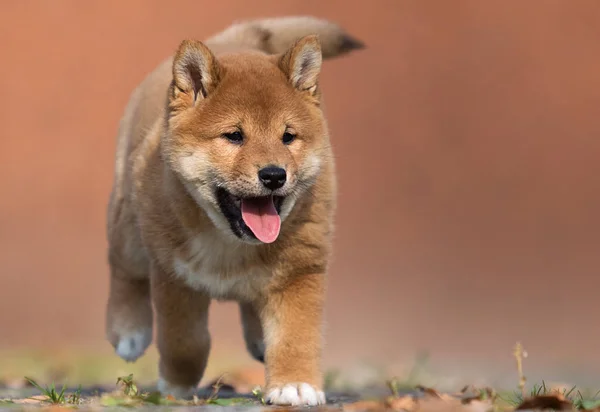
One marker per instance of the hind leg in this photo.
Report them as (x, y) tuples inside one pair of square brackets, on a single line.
[(182, 336), (253, 332), (129, 314)]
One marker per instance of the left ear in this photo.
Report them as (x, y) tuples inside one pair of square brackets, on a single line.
[(302, 63)]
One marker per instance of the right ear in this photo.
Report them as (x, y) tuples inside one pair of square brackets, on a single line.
[(195, 72)]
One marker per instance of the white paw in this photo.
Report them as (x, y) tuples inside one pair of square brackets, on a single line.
[(296, 394), (133, 345), (178, 391)]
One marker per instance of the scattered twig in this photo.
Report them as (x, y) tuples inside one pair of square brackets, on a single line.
[(520, 354)]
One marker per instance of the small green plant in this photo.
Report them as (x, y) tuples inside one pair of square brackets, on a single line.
[(129, 386), (50, 392), (569, 397), (258, 394), (230, 401), (394, 386), (330, 379), (587, 404), (132, 396), (75, 397)]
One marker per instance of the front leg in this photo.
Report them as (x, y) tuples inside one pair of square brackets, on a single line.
[(292, 318), (183, 339)]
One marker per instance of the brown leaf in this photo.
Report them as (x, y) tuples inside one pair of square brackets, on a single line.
[(470, 399), (433, 394), (429, 392), (555, 401), (463, 391)]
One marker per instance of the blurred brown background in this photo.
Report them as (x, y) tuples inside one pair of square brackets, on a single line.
[(467, 139)]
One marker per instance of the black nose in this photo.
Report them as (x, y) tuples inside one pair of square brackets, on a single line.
[(272, 177)]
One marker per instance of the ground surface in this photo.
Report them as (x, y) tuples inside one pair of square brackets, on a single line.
[(240, 389), (225, 398)]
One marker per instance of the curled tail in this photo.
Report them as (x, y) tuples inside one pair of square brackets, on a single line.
[(276, 35)]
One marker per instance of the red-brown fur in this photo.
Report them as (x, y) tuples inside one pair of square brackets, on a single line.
[(168, 242)]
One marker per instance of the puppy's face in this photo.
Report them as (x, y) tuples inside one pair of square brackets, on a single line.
[(246, 134)]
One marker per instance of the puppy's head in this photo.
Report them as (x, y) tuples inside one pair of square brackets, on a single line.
[(246, 134)]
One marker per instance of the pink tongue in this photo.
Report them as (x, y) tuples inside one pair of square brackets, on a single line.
[(262, 218)]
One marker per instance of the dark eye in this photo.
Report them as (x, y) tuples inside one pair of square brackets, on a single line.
[(235, 137), (288, 138)]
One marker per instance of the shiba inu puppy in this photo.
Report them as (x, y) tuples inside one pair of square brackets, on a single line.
[(225, 188)]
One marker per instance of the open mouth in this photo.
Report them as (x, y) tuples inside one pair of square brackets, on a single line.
[(254, 217)]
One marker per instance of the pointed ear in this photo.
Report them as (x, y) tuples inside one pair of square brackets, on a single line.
[(302, 63), (195, 72)]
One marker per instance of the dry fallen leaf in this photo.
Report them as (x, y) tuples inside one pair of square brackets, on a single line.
[(433, 394), (429, 391), (556, 402)]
